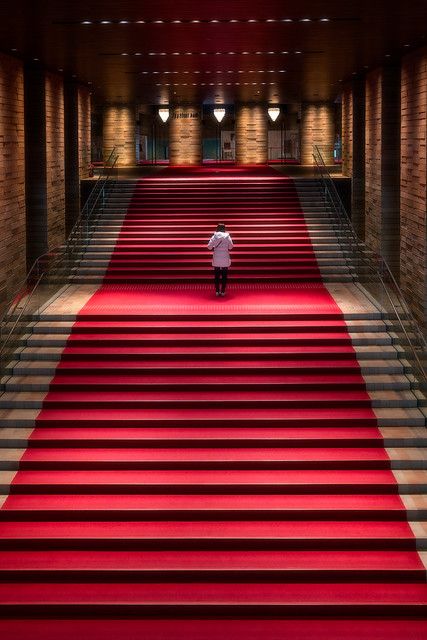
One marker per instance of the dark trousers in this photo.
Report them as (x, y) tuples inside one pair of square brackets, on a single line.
[(220, 276)]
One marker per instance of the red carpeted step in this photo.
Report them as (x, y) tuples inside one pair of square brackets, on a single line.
[(268, 535), (292, 566), (205, 458), (233, 366), (324, 599), (190, 417), (214, 436), (176, 481), (208, 629), (103, 506)]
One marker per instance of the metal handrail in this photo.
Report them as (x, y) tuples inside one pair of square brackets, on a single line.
[(47, 263), (378, 266)]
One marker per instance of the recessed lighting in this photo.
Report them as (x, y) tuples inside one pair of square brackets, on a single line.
[(324, 19), (176, 21), (194, 21), (405, 45), (14, 50), (271, 20), (388, 55), (270, 53), (86, 22), (158, 21), (125, 54), (214, 21), (137, 54), (287, 20), (305, 20), (36, 59), (252, 20), (297, 52), (123, 21), (105, 21)]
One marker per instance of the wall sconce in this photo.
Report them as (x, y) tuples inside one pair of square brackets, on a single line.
[(219, 114), (164, 114), (274, 113)]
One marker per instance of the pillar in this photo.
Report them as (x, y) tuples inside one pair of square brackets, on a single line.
[(12, 178), (317, 128), (251, 134), (382, 157), (77, 147), (353, 140), (413, 181), (185, 135), (120, 133)]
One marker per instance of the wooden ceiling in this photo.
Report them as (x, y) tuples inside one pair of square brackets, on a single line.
[(212, 51)]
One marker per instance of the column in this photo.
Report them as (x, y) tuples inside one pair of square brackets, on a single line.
[(120, 133), (413, 181), (185, 135), (353, 139), (12, 178), (382, 154), (251, 134), (317, 128)]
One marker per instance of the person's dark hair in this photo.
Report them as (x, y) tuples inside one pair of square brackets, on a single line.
[(221, 227)]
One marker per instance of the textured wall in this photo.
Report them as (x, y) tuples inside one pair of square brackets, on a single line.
[(317, 128), (413, 180), (12, 177), (347, 130), (120, 133), (185, 135), (251, 134), (84, 130), (373, 160), (382, 149), (55, 165)]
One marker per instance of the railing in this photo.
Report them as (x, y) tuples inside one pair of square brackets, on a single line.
[(51, 271), (370, 271)]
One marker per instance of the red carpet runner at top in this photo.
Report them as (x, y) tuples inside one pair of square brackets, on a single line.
[(208, 458)]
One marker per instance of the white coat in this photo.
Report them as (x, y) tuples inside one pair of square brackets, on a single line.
[(221, 244)]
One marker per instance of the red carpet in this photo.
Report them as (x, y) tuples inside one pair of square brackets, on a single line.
[(207, 465)]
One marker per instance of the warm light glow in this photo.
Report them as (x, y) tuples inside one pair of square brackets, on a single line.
[(164, 114), (274, 113), (219, 114)]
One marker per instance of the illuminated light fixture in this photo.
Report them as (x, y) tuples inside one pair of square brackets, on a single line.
[(137, 54), (164, 114), (297, 52), (123, 21), (274, 113), (86, 22), (324, 20), (195, 21), (219, 113), (214, 20), (125, 54), (105, 21), (271, 20), (305, 20), (287, 20), (252, 20), (140, 22), (176, 21)]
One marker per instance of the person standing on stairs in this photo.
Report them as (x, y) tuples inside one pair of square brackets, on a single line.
[(221, 245)]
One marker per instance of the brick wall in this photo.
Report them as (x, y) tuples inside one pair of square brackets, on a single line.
[(185, 135), (347, 130), (382, 150), (84, 130), (55, 165), (317, 128), (12, 178), (413, 180), (251, 134), (120, 133), (373, 160)]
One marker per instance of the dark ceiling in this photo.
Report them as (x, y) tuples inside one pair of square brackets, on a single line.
[(222, 50)]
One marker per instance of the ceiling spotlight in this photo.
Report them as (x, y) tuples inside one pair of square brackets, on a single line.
[(123, 21), (219, 114), (324, 19), (105, 21), (86, 22), (274, 113), (305, 20)]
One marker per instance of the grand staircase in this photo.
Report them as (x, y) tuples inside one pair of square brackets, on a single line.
[(166, 454)]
